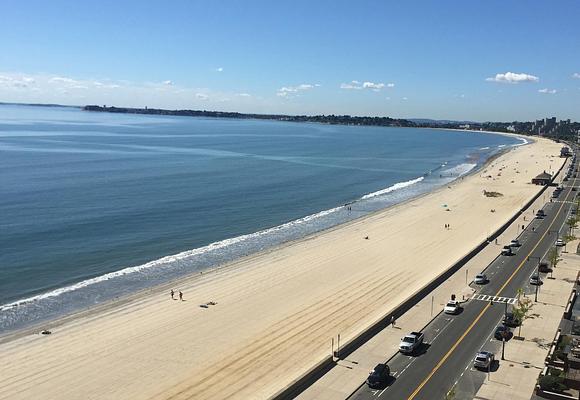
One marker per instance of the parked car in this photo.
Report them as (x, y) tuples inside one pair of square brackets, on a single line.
[(480, 279), (507, 251), (536, 280), (560, 242), (540, 214), (483, 360), (510, 319), (515, 243), (502, 332), (379, 376), (544, 267), (411, 342), (452, 307)]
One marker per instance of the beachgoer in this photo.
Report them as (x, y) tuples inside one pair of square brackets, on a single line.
[(180, 295), (172, 294)]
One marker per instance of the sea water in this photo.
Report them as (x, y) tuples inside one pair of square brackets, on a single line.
[(96, 205)]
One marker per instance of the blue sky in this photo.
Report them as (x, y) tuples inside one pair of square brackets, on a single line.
[(476, 60)]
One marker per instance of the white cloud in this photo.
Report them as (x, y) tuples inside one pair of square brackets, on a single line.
[(168, 83), (356, 85), (19, 82), (288, 91), (512, 77), (576, 75), (548, 91), (220, 69), (405, 98), (202, 96), (244, 95)]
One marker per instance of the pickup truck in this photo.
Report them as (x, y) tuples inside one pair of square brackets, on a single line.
[(411, 342)]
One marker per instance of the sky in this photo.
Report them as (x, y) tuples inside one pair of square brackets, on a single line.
[(449, 59)]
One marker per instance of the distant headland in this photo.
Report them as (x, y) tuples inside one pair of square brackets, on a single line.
[(550, 127)]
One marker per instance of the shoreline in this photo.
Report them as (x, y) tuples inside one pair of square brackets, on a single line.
[(125, 298), (277, 311)]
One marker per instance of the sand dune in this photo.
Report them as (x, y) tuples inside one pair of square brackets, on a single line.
[(276, 312)]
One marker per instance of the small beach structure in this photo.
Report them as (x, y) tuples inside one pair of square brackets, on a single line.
[(565, 152), (543, 179)]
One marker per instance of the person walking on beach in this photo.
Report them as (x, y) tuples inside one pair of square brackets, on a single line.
[(180, 295), (172, 294)]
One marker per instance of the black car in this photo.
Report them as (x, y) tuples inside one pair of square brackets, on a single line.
[(510, 320), (502, 332), (379, 376), (544, 267)]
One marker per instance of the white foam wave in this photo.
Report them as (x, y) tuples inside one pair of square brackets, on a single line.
[(396, 186), (165, 260), (484, 148), (459, 170), (523, 143)]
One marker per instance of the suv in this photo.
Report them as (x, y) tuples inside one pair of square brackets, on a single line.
[(411, 342), (540, 214), (483, 360), (378, 376)]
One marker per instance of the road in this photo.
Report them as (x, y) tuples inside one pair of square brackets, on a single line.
[(451, 341)]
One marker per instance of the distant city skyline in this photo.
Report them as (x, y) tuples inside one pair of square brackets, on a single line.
[(491, 61)]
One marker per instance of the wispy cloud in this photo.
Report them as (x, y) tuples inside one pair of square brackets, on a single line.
[(513, 78), (243, 95), (219, 69), (357, 85), (290, 91), (168, 83), (576, 75), (548, 91)]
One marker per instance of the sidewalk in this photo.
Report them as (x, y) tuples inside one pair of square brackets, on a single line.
[(517, 374), (347, 375)]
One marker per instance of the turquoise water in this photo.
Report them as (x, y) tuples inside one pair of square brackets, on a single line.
[(96, 205)]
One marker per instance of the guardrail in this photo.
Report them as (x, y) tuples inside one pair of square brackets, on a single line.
[(317, 371)]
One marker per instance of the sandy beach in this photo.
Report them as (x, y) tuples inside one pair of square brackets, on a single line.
[(277, 311)]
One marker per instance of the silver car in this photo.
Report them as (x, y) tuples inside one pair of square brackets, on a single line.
[(480, 279), (483, 360)]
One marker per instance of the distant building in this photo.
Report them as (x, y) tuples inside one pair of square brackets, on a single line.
[(543, 179)]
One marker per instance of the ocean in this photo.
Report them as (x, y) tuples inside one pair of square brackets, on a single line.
[(94, 205)]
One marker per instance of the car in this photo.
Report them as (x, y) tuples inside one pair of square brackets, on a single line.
[(507, 251), (573, 211), (452, 307), (483, 360), (560, 242), (536, 280), (515, 243), (379, 376), (502, 332), (510, 319), (480, 279), (540, 214), (411, 342), (565, 179), (544, 267)]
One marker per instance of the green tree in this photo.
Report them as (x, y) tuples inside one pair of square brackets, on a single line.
[(522, 310), (554, 257)]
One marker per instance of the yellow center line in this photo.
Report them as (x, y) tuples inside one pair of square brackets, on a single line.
[(452, 349)]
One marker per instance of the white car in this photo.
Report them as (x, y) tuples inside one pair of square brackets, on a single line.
[(480, 279), (452, 307), (560, 242)]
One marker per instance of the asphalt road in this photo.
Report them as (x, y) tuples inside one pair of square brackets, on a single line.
[(451, 341)]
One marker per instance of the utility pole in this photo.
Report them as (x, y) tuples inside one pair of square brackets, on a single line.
[(503, 348)]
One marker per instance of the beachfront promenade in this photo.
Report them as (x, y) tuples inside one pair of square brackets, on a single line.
[(276, 312), (453, 341)]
